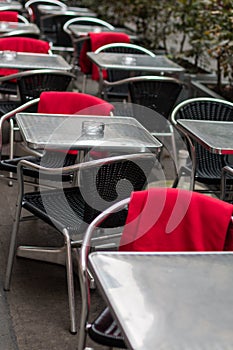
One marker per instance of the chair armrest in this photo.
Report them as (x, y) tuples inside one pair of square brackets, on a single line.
[(12, 114)]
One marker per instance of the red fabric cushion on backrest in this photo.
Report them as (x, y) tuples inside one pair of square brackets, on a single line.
[(21, 44), (9, 16), (169, 219), (97, 40), (56, 102)]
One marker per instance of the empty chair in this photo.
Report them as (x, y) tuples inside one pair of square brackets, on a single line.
[(206, 166), (70, 210), (159, 220), (159, 94), (119, 91), (50, 102)]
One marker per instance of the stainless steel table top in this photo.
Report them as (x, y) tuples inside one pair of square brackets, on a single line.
[(169, 301), (216, 136), (81, 30), (56, 131), (26, 60), (10, 6), (6, 27), (159, 63), (69, 10)]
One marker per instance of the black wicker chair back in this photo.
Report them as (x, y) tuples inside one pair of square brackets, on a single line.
[(121, 91)]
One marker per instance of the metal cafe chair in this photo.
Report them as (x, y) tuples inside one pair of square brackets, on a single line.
[(143, 232), (58, 102), (159, 94), (206, 166), (31, 7), (70, 210), (92, 21), (106, 78), (74, 42)]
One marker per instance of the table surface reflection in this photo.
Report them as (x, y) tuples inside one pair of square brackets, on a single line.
[(66, 131), (26, 60), (68, 10), (6, 27), (81, 30), (159, 63), (169, 301)]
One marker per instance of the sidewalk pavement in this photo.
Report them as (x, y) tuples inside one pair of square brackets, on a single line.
[(34, 313)]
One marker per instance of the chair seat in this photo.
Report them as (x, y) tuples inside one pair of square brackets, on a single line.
[(67, 209), (50, 160), (105, 331)]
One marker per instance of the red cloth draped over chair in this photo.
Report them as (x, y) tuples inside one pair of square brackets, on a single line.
[(97, 40), (21, 44), (8, 16), (73, 103), (169, 219)]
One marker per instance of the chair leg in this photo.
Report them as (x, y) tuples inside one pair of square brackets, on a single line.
[(11, 155), (84, 83), (11, 254), (70, 283)]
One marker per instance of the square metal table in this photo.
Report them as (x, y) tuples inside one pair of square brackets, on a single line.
[(215, 136), (8, 27), (26, 60), (74, 11), (10, 6), (159, 64), (66, 131), (168, 301)]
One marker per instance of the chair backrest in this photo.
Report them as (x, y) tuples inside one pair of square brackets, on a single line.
[(32, 7), (157, 93), (86, 21), (204, 108), (22, 19), (116, 75), (73, 103), (32, 83)]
